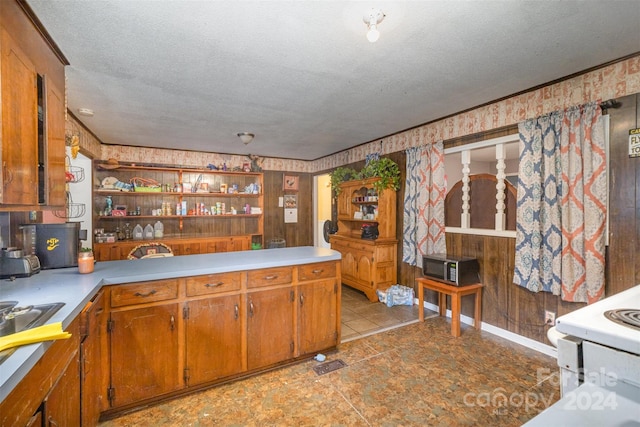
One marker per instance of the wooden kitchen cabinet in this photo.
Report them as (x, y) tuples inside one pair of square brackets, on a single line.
[(214, 327), (319, 304), (144, 341), (367, 264), (270, 326), (32, 131), (92, 347), (214, 339), (19, 125), (51, 389), (171, 337), (62, 405), (179, 246)]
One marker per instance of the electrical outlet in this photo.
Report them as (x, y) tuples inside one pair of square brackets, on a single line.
[(549, 318)]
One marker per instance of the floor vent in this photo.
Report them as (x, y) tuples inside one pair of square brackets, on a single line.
[(325, 368)]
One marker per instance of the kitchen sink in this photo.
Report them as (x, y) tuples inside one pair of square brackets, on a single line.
[(18, 319)]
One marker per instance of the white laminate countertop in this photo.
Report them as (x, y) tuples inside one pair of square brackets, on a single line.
[(76, 290)]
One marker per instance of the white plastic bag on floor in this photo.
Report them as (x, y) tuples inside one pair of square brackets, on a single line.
[(396, 295)]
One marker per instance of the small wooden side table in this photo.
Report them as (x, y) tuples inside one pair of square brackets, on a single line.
[(456, 293)]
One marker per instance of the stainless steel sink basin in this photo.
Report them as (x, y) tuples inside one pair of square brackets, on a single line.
[(19, 319)]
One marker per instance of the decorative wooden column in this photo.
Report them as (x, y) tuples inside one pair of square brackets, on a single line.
[(501, 217), (465, 216)]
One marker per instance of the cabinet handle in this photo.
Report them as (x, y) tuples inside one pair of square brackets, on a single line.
[(7, 176), (173, 322), (148, 294), (271, 277), (213, 285), (318, 271), (301, 299), (251, 308), (236, 312)]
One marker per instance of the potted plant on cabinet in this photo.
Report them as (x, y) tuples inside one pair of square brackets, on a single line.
[(339, 175), (384, 168)]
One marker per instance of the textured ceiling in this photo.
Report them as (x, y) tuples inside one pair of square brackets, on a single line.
[(302, 76)]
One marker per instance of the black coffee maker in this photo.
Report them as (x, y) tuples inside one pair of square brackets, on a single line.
[(56, 245), (370, 231)]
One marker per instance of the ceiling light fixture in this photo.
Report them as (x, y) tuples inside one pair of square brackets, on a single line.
[(372, 18), (245, 137), (87, 112)]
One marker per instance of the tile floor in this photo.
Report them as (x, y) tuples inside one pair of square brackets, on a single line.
[(361, 318), (414, 375)]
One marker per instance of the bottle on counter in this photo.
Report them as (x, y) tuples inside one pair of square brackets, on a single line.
[(137, 232), (148, 232), (158, 230)]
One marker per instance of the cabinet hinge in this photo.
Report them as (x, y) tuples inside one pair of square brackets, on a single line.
[(110, 326), (335, 288), (292, 296), (111, 395), (185, 313), (186, 377)]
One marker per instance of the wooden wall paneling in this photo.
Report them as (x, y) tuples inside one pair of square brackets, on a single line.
[(273, 215), (623, 193), (496, 275), (525, 313), (295, 234), (301, 232)]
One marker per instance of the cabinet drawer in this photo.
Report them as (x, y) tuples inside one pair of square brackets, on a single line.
[(269, 276), (213, 283), (319, 270), (143, 292)]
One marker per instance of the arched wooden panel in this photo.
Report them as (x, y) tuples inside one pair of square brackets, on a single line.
[(482, 203)]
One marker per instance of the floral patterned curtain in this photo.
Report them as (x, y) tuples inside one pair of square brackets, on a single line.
[(561, 208), (425, 190)]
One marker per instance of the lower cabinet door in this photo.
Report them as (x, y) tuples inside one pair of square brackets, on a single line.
[(144, 353), (364, 268), (214, 338), (270, 327), (318, 314), (62, 405)]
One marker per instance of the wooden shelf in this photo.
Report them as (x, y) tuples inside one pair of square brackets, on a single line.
[(209, 182)]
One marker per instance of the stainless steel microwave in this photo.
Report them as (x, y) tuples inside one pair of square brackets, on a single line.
[(458, 271)]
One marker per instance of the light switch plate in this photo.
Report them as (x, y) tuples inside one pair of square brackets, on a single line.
[(281, 202)]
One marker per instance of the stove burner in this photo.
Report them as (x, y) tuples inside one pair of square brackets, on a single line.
[(629, 317)]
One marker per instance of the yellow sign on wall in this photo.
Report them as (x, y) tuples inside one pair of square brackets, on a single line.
[(634, 142)]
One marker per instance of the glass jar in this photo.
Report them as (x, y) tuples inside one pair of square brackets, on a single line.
[(85, 262)]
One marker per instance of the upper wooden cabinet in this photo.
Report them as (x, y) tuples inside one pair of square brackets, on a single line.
[(359, 204), (19, 125), (32, 91)]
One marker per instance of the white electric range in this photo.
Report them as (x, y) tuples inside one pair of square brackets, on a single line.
[(599, 360)]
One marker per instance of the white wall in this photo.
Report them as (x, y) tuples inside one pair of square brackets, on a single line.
[(81, 193)]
